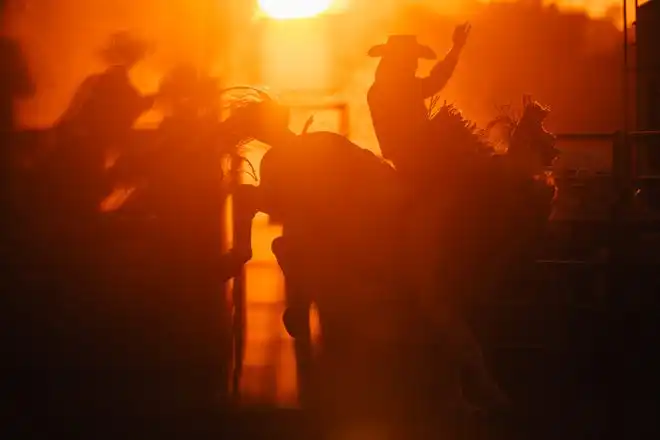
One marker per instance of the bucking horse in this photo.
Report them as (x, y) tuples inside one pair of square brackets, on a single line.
[(367, 250)]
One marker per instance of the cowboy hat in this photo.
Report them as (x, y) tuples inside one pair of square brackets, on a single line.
[(124, 47), (402, 45)]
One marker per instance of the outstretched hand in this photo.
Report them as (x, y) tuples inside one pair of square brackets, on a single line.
[(461, 33)]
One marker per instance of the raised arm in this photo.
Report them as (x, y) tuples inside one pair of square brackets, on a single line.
[(444, 69)]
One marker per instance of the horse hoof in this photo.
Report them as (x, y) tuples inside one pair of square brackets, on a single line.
[(296, 323), (278, 246)]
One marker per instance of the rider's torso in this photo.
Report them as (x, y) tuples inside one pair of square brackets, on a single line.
[(106, 104), (399, 116)]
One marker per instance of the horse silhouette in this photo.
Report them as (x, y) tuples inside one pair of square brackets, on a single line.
[(345, 214)]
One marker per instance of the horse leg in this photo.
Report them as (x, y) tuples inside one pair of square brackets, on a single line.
[(296, 317), (456, 337)]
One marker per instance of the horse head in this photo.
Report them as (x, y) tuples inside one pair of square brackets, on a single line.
[(334, 199), (255, 115), (530, 141)]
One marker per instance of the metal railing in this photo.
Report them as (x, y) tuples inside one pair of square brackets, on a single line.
[(624, 173)]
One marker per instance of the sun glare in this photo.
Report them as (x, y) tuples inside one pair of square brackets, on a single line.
[(286, 9)]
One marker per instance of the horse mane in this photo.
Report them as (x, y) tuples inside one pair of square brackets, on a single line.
[(451, 129), (246, 99)]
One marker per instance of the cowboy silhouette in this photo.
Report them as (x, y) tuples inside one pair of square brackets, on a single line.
[(184, 159), (107, 104), (396, 98), (99, 120)]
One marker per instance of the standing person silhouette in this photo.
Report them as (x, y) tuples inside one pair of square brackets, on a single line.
[(15, 79), (15, 84), (99, 120)]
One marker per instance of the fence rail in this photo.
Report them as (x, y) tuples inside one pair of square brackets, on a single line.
[(587, 136), (605, 136)]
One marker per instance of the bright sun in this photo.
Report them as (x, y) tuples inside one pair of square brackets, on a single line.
[(282, 9)]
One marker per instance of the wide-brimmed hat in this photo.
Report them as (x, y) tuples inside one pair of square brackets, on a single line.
[(124, 47), (402, 46)]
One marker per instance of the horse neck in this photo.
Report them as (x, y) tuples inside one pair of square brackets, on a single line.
[(281, 139)]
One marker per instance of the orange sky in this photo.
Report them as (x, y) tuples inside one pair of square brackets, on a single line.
[(61, 37)]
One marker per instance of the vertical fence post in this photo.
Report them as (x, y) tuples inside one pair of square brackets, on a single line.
[(617, 272), (239, 299), (623, 189)]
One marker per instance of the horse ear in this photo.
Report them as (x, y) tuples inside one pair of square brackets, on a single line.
[(308, 124)]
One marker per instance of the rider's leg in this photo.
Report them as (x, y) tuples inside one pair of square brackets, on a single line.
[(296, 318)]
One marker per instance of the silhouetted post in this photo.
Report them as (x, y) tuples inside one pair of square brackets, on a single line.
[(622, 174), (620, 243), (621, 289), (238, 293), (619, 231), (626, 85)]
